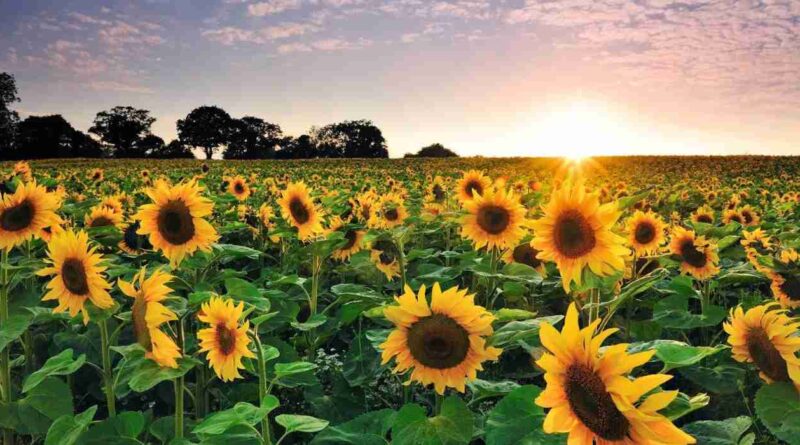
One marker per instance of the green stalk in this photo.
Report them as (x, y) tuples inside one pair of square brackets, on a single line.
[(401, 259), (262, 385), (437, 407), (178, 407), (5, 357), (108, 372), (200, 392)]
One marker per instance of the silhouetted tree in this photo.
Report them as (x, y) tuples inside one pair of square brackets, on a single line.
[(174, 150), (123, 128), (150, 144), (350, 139), (252, 138), (206, 127), (8, 117), (301, 147), (40, 137), (433, 151)]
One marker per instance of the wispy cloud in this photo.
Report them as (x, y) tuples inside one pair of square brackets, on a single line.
[(272, 7)]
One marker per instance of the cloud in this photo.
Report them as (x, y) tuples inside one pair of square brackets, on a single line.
[(288, 48), (122, 87), (121, 33), (324, 45), (272, 7), (231, 35)]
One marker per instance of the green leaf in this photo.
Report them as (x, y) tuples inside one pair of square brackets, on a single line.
[(361, 362), (242, 413), (14, 327), (516, 419), (67, 429), (778, 407), (61, 364), (242, 290), (313, 322), (677, 354), (482, 389), (673, 312), (721, 379), (452, 426), (287, 369), (722, 432), (367, 429), (230, 252), (683, 405), (149, 373), (350, 292), (508, 314), (510, 334), (302, 424), (128, 424), (45, 403)]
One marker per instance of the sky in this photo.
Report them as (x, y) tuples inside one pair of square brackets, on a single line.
[(491, 78)]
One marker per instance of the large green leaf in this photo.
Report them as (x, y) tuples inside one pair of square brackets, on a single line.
[(68, 429), (722, 432), (778, 407), (452, 426), (242, 413), (14, 327), (120, 429), (61, 364), (361, 363), (673, 312), (516, 419), (297, 423), (675, 354), (367, 429), (149, 373), (684, 404), (509, 335)]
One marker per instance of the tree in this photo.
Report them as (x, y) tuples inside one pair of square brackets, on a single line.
[(8, 117), (40, 137), (433, 151), (252, 138), (150, 144), (206, 127), (173, 150), (301, 147), (350, 139), (123, 128)]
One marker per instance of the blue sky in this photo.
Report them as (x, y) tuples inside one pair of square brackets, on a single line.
[(513, 77)]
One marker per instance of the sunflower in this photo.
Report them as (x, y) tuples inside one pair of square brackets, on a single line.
[(225, 342), (23, 169), (299, 210), (384, 254), (698, 256), (78, 274), (749, 216), (765, 336), (757, 242), (390, 212), (525, 254), (704, 214), (732, 215), (96, 175), (495, 219), (576, 231), (353, 240), (174, 220), (590, 395), (443, 343), (113, 202), (362, 205), (436, 191), (237, 186), (472, 182), (786, 279), (149, 313), (102, 216), (132, 243), (25, 213), (645, 232)]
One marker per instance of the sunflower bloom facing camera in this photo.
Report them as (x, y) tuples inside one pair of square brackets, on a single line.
[(645, 232), (494, 220), (590, 394), (25, 213), (298, 209), (225, 341), (698, 256), (175, 222), (442, 343), (78, 274)]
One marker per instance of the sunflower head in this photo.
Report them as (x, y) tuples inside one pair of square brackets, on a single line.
[(442, 342), (697, 255), (384, 255), (645, 232), (237, 186), (389, 212), (704, 214), (25, 213), (526, 254), (300, 211), (732, 215), (225, 341), (471, 183), (495, 219), (102, 216)]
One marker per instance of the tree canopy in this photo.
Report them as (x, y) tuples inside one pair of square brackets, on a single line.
[(350, 139), (41, 137), (8, 117), (436, 150), (205, 127), (124, 128), (253, 138)]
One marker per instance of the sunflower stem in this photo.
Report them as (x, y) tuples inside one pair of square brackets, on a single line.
[(5, 356), (401, 259), (262, 385), (494, 257), (108, 372), (200, 392), (178, 407), (437, 407)]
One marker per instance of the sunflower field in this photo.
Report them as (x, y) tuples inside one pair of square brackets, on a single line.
[(645, 300)]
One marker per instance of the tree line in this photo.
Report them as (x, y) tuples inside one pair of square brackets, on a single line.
[(125, 132)]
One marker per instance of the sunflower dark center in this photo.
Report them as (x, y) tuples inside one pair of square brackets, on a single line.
[(791, 286), (766, 357), (645, 232), (18, 217), (591, 403), (74, 276), (736, 217), (299, 211), (392, 214), (573, 234), (691, 255), (493, 219), (526, 254), (351, 236), (238, 188), (747, 216), (473, 187), (226, 339), (704, 219), (175, 222), (133, 240), (101, 221), (438, 193), (388, 251), (438, 342)]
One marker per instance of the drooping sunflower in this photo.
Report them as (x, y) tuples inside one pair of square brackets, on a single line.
[(78, 274), (472, 182), (132, 243), (384, 255), (704, 214), (698, 255), (443, 343), (102, 216), (237, 186), (300, 211), (590, 395), (494, 219), (225, 342), (148, 313), (765, 336), (525, 254), (786, 279), (25, 213), (175, 222), (645, 232), (576, 231)]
